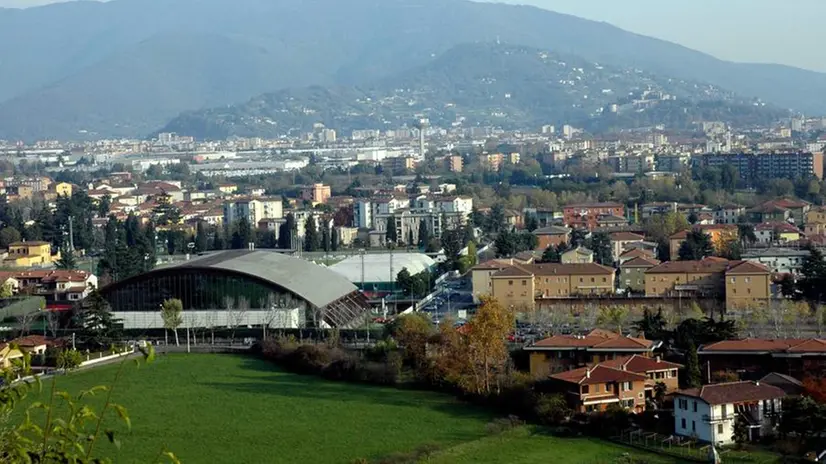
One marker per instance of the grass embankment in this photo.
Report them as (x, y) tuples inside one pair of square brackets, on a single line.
[(233, 409)]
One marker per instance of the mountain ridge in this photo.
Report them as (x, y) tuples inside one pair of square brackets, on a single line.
[(317, 42), (500, 85)]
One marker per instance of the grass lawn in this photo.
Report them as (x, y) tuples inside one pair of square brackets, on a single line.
[(528, 445), (234, 409)]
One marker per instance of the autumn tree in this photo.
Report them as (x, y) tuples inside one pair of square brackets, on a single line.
[(171, 314), (487, 333), (612, 316), (412, 331), (815, 388)]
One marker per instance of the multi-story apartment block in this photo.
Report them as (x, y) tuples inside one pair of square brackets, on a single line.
[(729, 214), (740, 282), (756, 166), (492, 161), (519, 286), (587, 215), (671, 163), (253, 209), (753, 358), (454, 163), (778, 260), (316, 193)]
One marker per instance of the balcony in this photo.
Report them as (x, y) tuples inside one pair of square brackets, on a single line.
[(719, 418)]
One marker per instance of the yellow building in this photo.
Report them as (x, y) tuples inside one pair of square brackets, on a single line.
[(62, 189), (228, 188), (741, 282), (8, 354), (520, 285), (29, 254), (721, 235)]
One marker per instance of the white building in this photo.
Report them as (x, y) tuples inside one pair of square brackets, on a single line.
[(778, 260), (709, 413), (254, 209)]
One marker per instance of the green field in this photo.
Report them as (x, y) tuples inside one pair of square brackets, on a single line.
[(232, 409)]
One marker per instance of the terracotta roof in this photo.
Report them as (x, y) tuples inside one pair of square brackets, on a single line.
[(626, 237), (640, 262), (638, 253), (513, 271), (709, 265), (32, 243), (640, 364), (569, 269), (762, 345), (31, 341), (768, 208), (747, 267), (734, 392), (596, 339), (790, 203), (552, 230), (595, 205), (783, 227), (596, 375), (608, 218)]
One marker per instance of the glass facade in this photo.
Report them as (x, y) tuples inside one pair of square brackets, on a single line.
[(198, 289)]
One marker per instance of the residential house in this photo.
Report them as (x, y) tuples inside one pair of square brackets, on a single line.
[(798, 208), (593, 389), (709, 413), (655, 209), (655, 369), (790, 385), (61, 189), (620, 242), (769, 212), (611, 221), (579, 255), (752, 358), (30, 254), (8, 354), (816, 221), (552, 236), (587, 215), (747, 284), (729, 214), (632, 273), (776, 232), (518, 286), (560, 353), (34, 344), (316, 193), (228, 188)]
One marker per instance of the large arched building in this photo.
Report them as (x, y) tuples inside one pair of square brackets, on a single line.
[(240, 288)]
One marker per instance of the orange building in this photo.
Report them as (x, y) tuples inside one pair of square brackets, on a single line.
[(587, 215), (720, 234), (593, 389), (316, 193)]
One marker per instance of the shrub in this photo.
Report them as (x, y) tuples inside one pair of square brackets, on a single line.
[(307, 359), (502, 425), (69, 359), (551, 409)]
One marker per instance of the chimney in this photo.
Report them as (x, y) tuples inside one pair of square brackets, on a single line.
[(757, 383), (587, 373), (658, 358)]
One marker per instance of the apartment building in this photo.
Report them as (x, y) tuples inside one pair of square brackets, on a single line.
[(632, 273), (316, 193), (587, 215), (30, 254), (729, 214), (755, 357), (454, 163), (253, 209), (740, 282), (720, 235), (753, 167), (518, 286), (552, 236), (620, 241), (778, 260)]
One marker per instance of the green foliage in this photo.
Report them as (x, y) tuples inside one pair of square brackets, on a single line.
[(128, 248), (67, 259), (424, 235), (72, 426), (93, 316), (68, 359), (242, 234), (391, 235), (652, 325), (511, 243), (741, 431), (693, 378), (696, 246), (9, 235), (6, 290), (201, 237), (171, 313), (312, 240), (551, 409), (600, 244)]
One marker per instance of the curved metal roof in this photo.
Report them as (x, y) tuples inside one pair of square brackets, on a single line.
[(317, 285)]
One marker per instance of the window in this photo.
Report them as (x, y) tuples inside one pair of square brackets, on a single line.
[(585, 389), (608, 388), (733, 279), (723, 410), (682, 423), (694, 406), (596, 388), (524, 283), (720, 429), (592, 280), (683, 404), (748, 280), (510, 282), (693, 426), (628, 271)]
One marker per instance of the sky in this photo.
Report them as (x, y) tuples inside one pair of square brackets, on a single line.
[(763, 31)]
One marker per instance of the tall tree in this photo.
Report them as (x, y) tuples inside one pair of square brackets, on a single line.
[(496, 219), (531, 222), (424, 234), (551, 255), (67, 259), (334, 239), (171, 313), (697, 245), (8, 236), (452, 245), (600, 244), (391, 235), (693, 378), (325, 237), (242, 235), (104, 205), (94, 318), (487, 333), (311, 238), (201, 237)]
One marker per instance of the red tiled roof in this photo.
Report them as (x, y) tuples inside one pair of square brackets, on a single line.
[(569, 269), (596, 375), (595, 205), (638, 253), (734, 392), (782, 227), (710, 264), (641, 261), (762, 345), (640, 364), (747, 267), (626, 237), (596, 339)]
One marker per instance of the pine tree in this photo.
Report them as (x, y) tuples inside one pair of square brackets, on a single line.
[(311, 238), (424, 234), (692, 367), (200, 237), (67, 259), (94, 318), (392, 235), (325, 237), (334, 239), (285, 232)]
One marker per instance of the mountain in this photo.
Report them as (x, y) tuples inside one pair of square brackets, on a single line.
[(508, 86), (123, 67)]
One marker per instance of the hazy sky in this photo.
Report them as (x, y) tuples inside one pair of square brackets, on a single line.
[(770, 31)]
